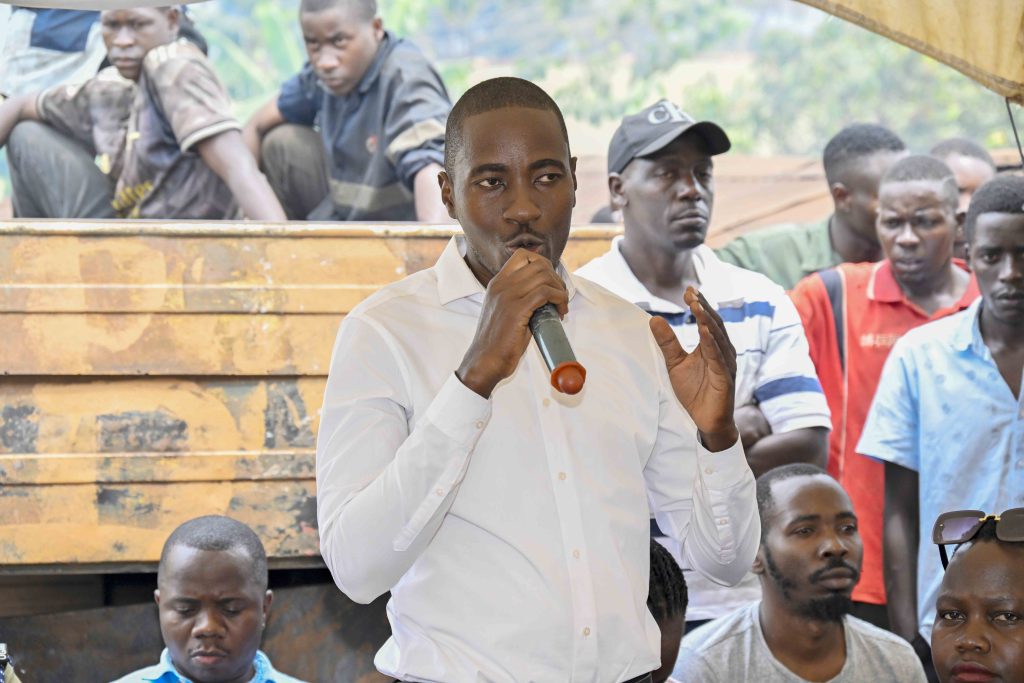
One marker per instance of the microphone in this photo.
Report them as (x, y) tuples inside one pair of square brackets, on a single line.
[(567, 375)]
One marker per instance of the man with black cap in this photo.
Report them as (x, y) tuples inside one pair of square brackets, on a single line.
[(660, 176)]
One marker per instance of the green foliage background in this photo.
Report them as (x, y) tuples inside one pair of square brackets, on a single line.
[(809, 73), (805, 76)]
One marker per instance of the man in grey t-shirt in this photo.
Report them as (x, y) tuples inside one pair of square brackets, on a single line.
[(808, 563)]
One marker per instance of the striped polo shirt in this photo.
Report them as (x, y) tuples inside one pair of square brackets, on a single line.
[(773, 367)]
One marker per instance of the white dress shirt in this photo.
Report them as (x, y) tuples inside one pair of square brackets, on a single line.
[(773, 368), (513, 531)]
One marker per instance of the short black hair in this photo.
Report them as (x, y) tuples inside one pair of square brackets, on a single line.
[(1002, 194), (217, 532), (764, 484), (963, 147), (367, 9), (856, 141), (496, 93), (667, 595), (924, 167)]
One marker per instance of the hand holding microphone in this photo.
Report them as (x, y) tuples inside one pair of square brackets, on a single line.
[(527, 282)]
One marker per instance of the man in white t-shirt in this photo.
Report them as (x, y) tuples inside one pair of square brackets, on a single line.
[(801, 630), (660, 175)]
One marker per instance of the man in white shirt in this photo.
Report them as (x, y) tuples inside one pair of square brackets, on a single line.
[(660, 175), (509, 521)]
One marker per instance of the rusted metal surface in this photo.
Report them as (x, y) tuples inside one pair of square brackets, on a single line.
[(155, 372), (314, 633)]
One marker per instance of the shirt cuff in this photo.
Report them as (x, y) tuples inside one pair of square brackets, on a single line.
[(724, 469), (458, 412)]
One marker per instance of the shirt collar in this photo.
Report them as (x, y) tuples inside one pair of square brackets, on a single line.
[(166, 673), (370, 77), (716, 285), (455, 280), (883, 287), (967, 335)]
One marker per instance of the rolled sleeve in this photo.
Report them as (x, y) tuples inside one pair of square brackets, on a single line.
[(891, 431), (706, 501), (414, 128), (383, 488)]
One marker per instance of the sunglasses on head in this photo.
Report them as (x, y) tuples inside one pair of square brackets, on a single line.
[(954, 528)]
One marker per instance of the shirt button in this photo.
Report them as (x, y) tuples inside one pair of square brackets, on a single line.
[(547, 402), (479, 424), (440, 492), (586, 632), (576, 554), (562, 475), (709, 470), (723, 522)]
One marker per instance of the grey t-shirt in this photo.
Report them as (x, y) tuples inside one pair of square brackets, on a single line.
[(733, 648)]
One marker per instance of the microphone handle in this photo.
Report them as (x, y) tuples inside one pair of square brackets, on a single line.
[(567, 375)]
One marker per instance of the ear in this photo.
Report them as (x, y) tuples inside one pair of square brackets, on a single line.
[(174, 19), (447, 193), (840, 196), (618, 199), (575, 183), (378, 28), (268, 599), (758, 565), (156, 596)]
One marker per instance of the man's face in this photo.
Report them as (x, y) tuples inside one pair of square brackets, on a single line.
[(978, 633), (856, 195), (341, 45), (970, 173), (130, 33), (666, 198), (811, 553), (512, 185), (997, 258), (672, 631), (917, 225), (212, 613)]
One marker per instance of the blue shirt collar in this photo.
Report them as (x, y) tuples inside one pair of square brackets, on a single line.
[(967, 335), (166, 673)]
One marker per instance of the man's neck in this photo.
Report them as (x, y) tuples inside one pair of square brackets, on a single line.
[(940, 292), (851, 246), (812, 649), (665, 273)]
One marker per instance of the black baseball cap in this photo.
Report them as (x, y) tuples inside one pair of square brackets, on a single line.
[(653, 129)]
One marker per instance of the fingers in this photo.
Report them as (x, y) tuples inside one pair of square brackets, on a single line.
[(710, 324), (532, 280), (671, 349)]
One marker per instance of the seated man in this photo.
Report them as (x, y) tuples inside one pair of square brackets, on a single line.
[(660, 175), (979, 621), (151, 137), (213, 599), (972, 166), (948, 409), (666, 601), (381, 111), (801, 630), (855, 161), (854, 313)]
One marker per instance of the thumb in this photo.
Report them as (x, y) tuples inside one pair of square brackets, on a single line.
[(667, 340)]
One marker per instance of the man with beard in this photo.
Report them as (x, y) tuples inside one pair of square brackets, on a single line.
[(801, 629)]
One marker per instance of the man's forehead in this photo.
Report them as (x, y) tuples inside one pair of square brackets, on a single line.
[(528, 133), (925, 193), (806, 495), (125, 14), (187, 564)]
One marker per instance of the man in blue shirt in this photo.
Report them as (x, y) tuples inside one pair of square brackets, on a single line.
[(948, 416), (380, 108), (213, 599)]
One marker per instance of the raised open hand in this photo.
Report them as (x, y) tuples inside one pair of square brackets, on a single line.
[(704, 379)]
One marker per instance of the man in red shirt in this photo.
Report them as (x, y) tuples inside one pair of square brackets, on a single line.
[(855, 312)]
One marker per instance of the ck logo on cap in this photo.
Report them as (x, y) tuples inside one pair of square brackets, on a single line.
[(665, 111)]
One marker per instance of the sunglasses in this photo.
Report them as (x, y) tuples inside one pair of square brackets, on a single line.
[(954, 528)]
